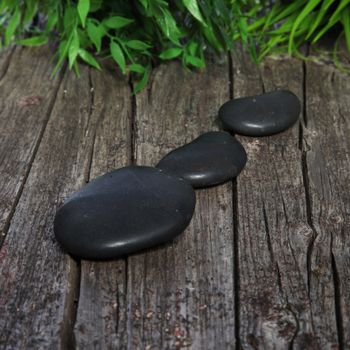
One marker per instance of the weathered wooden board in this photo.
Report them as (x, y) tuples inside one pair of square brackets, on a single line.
[(264, 263), (38, 282), (100, 322), (26, 98), (274, 232), (327, 156), (182, 294)]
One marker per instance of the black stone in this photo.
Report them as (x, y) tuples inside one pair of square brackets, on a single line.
[(124, 211), (261, 115), (210, 159)]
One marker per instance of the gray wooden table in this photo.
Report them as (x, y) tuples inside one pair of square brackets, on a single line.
[(265, 262)]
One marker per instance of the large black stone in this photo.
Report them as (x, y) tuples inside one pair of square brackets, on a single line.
[(261, 115), (124, 211), (208, 160)]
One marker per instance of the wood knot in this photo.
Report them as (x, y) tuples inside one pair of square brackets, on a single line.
[(279, 326), (30, 101)]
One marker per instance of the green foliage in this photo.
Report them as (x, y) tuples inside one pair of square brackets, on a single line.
[(139, 33), (290, 24)]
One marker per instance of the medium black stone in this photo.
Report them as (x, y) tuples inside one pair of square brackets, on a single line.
[(124, 211), (208, 160), (261, 115)]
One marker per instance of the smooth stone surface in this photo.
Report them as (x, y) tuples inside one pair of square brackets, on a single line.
[(210, 159), (124, 211), (261, 115)]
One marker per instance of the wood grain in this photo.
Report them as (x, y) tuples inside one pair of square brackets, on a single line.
[(100, 322), (182, 294), (273, 230), (27, 94), (327, 157), (38, 282)]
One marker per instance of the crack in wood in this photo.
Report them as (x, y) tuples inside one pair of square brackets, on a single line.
[(133, 124), (267, 231), (337, 304), (230, 75), (236, 278), (270, 249), (87, 174), (67, 336), (304, 116), (297, 327), (308, 202), (306, 184), (236, 273)]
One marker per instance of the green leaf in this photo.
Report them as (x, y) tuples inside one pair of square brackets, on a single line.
[(137, 68), (62, 53), (95, 33), (73, 49), (83, 10), (137, 45), (31, 9), (144, 3), (170, 53), (342, 5), (12, 26), (168, 25), (70, 19), (117, 22), (95, 5), (33, 41), (326, 28), (192, 6), (194, 61), (51, 21), (118, 55), (320, 16), (346, 24), (193, 47), (143, 82), (211, 37), (88, 58), (311, 4), (83, 38), (288, 10)]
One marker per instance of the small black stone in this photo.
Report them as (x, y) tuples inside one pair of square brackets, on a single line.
[(261, 115), (210, 159), (124, 211)]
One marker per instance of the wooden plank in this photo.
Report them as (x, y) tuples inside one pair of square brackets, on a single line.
[(182, 294), (274, 233), (27, 94), (38, 281), (327, 156), (100, 316)]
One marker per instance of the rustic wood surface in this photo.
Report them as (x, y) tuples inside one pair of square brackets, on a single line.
[(264, 263)]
